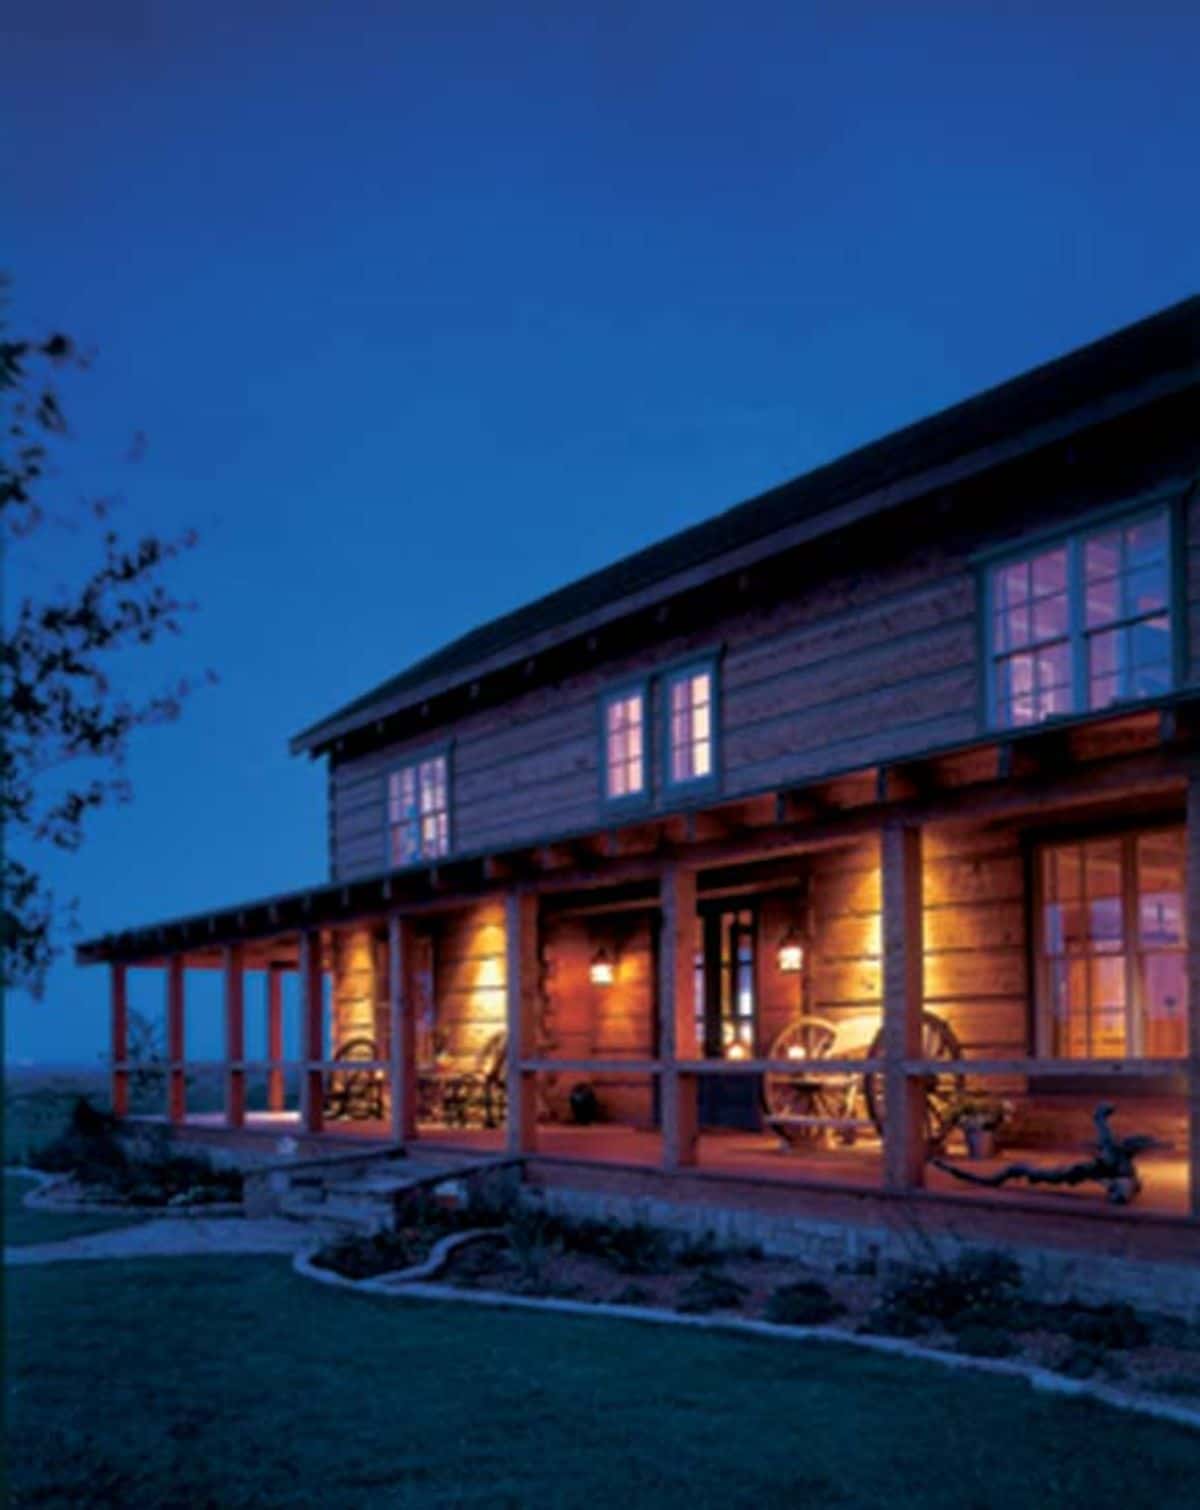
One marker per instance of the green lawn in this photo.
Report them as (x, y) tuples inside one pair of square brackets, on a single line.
[(233, 1382), (22, 1226)]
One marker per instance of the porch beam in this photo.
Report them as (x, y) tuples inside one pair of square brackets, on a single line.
[(521, 983), (176, 1072), (903, 998), (679, 1094), (235, 1035), (275, 1078), (402, 1036), (1192, 912), (118, 1012), (312, 1048)]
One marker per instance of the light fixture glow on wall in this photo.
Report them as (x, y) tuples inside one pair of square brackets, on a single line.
[(790, 954), (602, 969)]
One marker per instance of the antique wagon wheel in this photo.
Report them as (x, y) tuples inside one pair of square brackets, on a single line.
[(354, 1094), (938, 1041), (807, 1040)]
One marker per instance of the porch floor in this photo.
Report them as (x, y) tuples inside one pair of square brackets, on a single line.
[(758, 1156)]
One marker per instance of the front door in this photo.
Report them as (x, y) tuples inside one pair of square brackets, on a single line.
[(727, 1013)]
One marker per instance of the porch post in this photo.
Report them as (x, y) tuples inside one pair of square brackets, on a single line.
[(1192, 911), (312, 1047), (118, 1012), (679, 1095), (235, 1037), (403, 1036), (275, 1085), (521, 937), (176, 1081), (903, 1001)]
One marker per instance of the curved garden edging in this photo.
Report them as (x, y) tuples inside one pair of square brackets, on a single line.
[(410, 1284), (42, 1198)]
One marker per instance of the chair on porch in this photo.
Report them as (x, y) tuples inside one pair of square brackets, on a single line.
[(468, 1090), (355, 1095)]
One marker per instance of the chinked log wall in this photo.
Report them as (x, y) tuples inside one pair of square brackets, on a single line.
[(872, 657)]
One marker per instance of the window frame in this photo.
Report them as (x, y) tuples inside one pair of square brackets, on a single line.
[(414, 761), (1127, 835), (1074, 537), (669, 677), (621, 692)]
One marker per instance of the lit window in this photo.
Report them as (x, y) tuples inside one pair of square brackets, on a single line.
[(690, 725), (1113, 947), (1082, 625), (418, 811), (625, 745)]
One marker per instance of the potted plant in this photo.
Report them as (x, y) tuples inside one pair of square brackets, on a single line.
[(980, 1116)]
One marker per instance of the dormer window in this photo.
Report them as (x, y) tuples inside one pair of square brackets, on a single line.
[(1081, 624), (418, 804)]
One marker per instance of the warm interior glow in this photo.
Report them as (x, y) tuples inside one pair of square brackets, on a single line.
[(795, 1051), (737, 1051)]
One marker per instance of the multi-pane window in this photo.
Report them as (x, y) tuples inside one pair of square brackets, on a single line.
[(690, 722), (1082, 624), (625, 745), (418, 811), (1113, 946), (726, 1014)]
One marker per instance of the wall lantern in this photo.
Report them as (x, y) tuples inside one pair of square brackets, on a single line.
[(602, 970), (790, 954)]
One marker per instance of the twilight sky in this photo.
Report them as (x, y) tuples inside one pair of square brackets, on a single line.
[(426, 308)]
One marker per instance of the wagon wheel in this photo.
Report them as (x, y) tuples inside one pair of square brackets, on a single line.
[(937, 1042), (354, 1094), (806, 1040)]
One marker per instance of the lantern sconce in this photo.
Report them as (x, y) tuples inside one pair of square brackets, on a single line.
[(790, 954), (602, 969)]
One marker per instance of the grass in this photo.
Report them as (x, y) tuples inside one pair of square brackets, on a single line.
[(235, 1383), (22, 1226)]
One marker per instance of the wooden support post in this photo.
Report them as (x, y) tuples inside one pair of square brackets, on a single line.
[(903, 1001), (1192, 912), (235, 1036), (118, 1009), (312, 1046), (679, 1097), (521, 934), (176, 1077), (403, 1034), (276, 1090)]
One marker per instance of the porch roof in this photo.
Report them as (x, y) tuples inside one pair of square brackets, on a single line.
[(1142, 749)]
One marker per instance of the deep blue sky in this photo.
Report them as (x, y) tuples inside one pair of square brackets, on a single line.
[(426, 308)]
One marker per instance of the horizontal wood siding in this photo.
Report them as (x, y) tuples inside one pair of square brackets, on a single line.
[(874, 659)]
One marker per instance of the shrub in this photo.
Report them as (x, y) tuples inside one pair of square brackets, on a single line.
[(979, 1340), (978, 1289), (806, 1302), (1089, 1358), (632, 1295), (710, 1291), (365, 1257), (1106, 1326)]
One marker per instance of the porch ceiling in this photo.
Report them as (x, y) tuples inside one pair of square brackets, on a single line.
[(1071, 764)]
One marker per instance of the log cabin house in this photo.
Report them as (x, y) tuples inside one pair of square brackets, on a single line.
[(726, 872)]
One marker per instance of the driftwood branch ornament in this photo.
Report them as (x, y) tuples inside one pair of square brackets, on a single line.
[(1111, 1165)]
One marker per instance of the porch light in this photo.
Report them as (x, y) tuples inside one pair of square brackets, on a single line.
[(790, 954), (602, 970)]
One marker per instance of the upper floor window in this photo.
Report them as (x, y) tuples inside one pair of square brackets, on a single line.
[(418, 811), (691, 724), (624, 738), (1083, 624)]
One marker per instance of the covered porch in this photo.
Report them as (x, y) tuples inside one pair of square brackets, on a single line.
[(788, 990)]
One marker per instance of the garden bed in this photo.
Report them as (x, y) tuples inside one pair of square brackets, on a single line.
[(976, 1307), (103, 1167)]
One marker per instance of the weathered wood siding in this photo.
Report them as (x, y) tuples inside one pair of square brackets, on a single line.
[(873, 655), (470, 979)]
